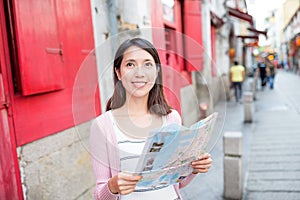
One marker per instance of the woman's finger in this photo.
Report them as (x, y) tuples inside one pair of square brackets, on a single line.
[(129, 177), (201, 166), (126, 187), (128, 191), (204, 156), (202, 162), (122, 182)]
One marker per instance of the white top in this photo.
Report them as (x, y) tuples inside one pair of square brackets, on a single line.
[(130, 150)]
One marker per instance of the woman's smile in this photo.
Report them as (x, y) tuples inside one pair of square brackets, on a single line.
[(139, 84)]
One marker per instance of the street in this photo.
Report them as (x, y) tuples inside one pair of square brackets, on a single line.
[(62, 70), (271, 150)]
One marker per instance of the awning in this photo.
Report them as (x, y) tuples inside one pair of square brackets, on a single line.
[(255, 36), (239, 14), (248, 36), (257, 31)]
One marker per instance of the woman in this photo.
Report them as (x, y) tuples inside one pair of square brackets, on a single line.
[(137, 106)]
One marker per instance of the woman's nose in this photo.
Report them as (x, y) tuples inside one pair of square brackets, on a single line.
[(139, 71)]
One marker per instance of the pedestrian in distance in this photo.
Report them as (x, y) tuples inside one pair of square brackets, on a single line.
[(271, 71), (262, 71), (137, 106), (237, 77)]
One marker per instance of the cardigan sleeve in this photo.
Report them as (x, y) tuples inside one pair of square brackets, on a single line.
[(187, 180), (100, 162)]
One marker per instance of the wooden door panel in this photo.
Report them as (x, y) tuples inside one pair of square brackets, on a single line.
[(8, 181), (40, 51)]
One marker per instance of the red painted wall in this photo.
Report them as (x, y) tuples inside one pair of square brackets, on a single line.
[(168, 39), (58, 76)]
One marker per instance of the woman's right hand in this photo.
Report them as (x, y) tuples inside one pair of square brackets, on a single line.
[(123, 183)]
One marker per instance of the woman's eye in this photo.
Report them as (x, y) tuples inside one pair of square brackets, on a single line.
[(130, 65), (148, 65)]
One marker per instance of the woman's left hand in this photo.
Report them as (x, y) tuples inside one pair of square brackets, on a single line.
[(202, 165)]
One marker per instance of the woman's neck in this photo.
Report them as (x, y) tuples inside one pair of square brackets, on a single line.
[(136, 106), (134, 118)]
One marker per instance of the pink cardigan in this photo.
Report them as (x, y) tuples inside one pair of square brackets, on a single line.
[(106, 159)]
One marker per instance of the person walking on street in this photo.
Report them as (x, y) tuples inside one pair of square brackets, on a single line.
[(271, 72), (237, 77), (262, 70)]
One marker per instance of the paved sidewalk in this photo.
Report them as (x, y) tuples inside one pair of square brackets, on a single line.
[(274, 162), (271, 146), (209, 186)]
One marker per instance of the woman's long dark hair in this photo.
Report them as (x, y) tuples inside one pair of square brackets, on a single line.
[(157, 103)]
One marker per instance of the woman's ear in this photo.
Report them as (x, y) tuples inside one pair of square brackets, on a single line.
[(118, 73)]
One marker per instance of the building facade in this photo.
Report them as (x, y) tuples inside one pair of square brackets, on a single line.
[(291, 43)]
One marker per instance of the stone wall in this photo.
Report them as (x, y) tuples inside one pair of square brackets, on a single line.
[(58, 166)]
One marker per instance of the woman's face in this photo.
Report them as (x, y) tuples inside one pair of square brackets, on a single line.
[(137, 72)]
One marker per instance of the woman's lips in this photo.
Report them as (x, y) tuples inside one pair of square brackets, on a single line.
[(139, 84)]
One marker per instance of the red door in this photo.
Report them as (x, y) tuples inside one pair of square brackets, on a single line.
[(8, 174), (10, 184)]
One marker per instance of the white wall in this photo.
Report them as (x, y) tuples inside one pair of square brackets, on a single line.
[(132, 19)]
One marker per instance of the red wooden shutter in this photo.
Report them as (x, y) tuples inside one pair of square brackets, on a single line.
[(39, 49), (193, 31), (41, 26)]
